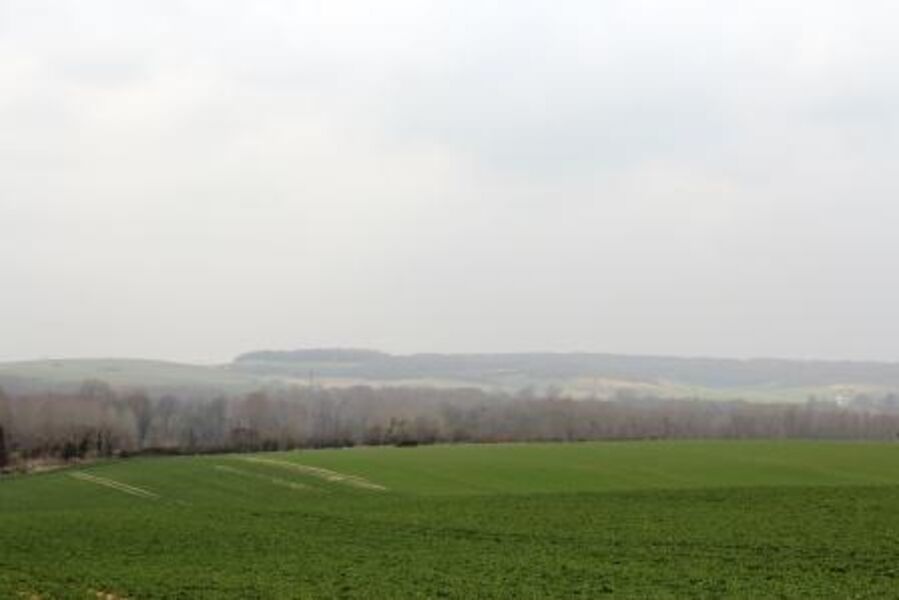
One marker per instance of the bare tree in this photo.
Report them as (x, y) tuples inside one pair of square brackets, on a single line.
[(4, 453), (96, 421), (141, 408)]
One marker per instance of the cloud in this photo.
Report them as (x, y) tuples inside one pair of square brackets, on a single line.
[(192, 179)]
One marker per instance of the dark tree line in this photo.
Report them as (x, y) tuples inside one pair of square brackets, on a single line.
[(97, 421)]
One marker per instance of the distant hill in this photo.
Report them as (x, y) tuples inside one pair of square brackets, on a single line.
[(578, 374), (336, 355), (157, 376), (586, 373)]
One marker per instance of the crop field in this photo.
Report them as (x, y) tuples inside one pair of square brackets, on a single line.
[(647, 519)]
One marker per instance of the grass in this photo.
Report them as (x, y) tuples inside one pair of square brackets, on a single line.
[(658, 519)]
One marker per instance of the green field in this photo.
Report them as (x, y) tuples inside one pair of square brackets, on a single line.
[(654, 519)]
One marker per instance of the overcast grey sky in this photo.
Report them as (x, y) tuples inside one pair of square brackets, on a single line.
[(189, 180)]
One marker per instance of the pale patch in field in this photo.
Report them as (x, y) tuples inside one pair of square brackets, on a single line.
[(321, 473), (108, 596), (273, 480), (116, 485)]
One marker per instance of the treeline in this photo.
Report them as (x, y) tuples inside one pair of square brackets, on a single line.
[(97, 421)]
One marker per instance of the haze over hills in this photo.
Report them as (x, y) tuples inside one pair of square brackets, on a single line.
[(581, 375)]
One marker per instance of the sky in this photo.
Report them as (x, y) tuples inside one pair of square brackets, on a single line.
[(191, 180)]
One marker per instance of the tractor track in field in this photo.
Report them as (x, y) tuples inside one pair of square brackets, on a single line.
[(115, 485), (319, 472), (299, 487)]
